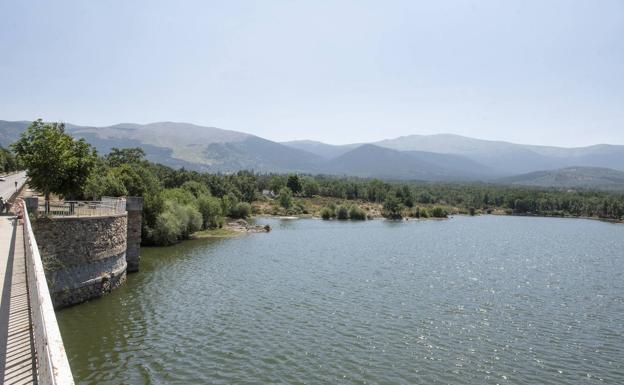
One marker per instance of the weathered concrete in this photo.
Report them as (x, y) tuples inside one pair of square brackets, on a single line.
[(134, 207), (84, 257)]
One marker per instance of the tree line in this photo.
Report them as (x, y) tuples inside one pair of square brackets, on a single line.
[(179, 202)]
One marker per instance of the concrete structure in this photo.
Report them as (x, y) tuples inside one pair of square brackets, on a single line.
[(31, 348), (87, 247), (134, 207), (84, 257)]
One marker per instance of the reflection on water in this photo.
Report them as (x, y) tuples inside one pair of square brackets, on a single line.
[(486, 300)]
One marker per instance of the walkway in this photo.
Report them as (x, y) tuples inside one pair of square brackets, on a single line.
[(17, 353)]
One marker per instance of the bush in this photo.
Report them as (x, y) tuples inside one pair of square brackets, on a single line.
[(195, 188), (356, 213), (439, 212), (166, 229), (285, 197), (327, 213), (175, 223), (424, 213), (392, 208), (210, 209), (342, 213), (241, 210)]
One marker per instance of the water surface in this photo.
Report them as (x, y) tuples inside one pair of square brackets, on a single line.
[(484, 300)]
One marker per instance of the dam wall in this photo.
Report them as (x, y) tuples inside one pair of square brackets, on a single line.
[(84, 257), (87, 248)]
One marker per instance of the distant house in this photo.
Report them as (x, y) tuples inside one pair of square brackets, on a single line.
[(268, 193)]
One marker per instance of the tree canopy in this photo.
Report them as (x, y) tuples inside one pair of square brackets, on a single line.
[(55, 162)]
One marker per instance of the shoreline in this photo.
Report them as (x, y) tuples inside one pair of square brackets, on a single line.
[(235, 228)]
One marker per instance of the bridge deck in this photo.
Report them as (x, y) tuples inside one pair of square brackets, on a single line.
[(17, 353)]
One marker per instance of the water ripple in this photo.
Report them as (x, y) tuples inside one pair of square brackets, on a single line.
[(487, 300)]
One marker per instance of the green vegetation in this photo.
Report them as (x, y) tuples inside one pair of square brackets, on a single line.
[(439, 212), (56, 162), (327, 213), (180, 202), (342, 213), (356, 213), (285, 197), (8, 162)]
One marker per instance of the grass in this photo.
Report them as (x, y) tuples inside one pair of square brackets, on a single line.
[(215, 233)]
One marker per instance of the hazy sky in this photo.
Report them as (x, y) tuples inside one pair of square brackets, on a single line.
[(543, 72)]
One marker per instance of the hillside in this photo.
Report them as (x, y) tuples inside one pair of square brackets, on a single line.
[(188, 145), (571, 177), (510, 158), (327, 151), (441, 157), (374, 161)]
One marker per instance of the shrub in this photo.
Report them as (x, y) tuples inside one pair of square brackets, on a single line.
[(342, 213), (241, 210), (392, 208), (210, 209), (439, 212), (175, 223), (357, 213), (195, 188), (415, 212), (166, 229), (327, 213), (285, 197)]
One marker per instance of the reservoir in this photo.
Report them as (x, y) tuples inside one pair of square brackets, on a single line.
[(469, 300)]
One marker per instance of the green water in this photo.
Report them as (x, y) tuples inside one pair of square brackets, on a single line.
[(485, 300)]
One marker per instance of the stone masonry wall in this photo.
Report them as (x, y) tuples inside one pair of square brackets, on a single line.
[(84, 257)]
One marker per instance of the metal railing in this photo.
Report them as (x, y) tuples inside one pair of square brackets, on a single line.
[(107, 206), (52, 364)]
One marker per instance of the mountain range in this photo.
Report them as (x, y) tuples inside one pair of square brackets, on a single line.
[(442, 157)]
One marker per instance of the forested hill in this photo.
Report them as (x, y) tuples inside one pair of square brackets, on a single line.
[(415, 157), (572, 177)]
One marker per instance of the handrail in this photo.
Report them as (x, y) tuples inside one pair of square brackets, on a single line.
[(52, 364), (83, 208)]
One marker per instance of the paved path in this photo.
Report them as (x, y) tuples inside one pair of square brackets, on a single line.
[(7, 187), (17, 353)]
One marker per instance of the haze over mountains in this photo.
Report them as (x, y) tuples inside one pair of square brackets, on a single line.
[(442, 157)]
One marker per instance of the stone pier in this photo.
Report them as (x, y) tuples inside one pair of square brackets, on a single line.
[(134, 207)]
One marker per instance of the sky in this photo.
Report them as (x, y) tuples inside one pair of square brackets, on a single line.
[(527, 71)]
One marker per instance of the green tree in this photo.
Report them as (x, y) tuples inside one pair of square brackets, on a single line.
[(196, 188), (342, 213), (356, 213), (119, 156), (55, 162), (310, 187), (241, 210), (276, 183), (392, 208), (285, 197), (294, 183), (210, 209), (7, 160)]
